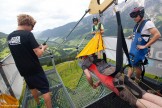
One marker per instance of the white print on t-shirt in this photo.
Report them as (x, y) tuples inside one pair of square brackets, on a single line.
[(14, 40)]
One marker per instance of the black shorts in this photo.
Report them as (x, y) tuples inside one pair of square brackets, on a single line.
[(38, 81)]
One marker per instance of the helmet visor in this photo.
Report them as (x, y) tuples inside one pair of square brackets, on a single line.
[(133, 14)]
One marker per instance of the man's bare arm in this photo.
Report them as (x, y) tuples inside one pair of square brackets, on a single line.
[(40, 50)]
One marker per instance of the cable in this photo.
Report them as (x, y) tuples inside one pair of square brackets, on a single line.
[(6, 64), (81, 43), (148, 86), (73, 28)]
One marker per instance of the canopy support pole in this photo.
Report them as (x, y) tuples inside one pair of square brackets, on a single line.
[(6, 82)]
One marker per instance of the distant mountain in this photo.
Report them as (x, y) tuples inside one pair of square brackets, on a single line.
[(2, 35), (3, 43), (153, 11), (36, 34)]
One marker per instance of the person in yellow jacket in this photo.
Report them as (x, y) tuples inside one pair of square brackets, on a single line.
[(97, 27), (95, 45)]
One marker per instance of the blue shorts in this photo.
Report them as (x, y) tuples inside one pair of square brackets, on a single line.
[(38, 81)]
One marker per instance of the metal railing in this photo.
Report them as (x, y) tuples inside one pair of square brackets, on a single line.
[(57, 88)]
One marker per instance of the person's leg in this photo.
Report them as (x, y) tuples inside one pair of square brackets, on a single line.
[(33, 90), (40, 83), (35, 94), (130, 72), (43, 87), (99, 54), (153, 98), (47, 99), (126, 95), (141, 103), (46, 96), (138, 72)]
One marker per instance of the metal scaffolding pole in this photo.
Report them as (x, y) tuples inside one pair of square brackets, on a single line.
[(6, 82), (72, 105)]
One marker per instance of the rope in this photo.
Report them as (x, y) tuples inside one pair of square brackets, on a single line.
[(98, 44), (1, 64), (81, 42), (73, 28), (148, 86)]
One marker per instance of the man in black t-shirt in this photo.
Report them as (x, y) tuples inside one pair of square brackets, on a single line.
[(25, 51)]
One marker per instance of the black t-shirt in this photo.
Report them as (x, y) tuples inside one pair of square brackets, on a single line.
[(21, 44)]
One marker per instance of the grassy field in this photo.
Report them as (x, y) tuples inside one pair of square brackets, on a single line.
[(70, 73), (45, 67), (159, 79), (159, 17), (3, 41), (5, 52)]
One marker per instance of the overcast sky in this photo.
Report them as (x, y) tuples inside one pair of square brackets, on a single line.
[(48, 13)]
